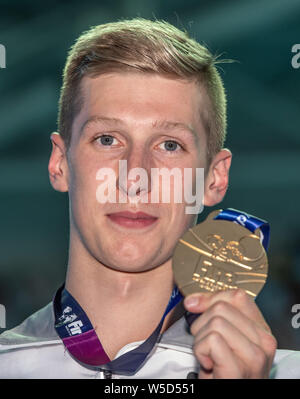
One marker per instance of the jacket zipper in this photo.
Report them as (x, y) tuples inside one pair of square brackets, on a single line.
[(107, 374)]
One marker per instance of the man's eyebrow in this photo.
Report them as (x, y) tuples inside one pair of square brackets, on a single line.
[(170, 125), (160, 124), (98, 118)]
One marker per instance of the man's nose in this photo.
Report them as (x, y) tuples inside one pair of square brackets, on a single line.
[(135, 173)]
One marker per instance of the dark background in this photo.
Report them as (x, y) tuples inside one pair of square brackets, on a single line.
[(263, 134)]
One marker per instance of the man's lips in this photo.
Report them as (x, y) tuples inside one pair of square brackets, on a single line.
[(132, 215), (131, 219)]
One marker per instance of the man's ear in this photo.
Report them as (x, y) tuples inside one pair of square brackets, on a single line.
[(216, 182), (58, 166)]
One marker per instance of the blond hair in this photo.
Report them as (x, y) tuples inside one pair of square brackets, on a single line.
[(145, 46)]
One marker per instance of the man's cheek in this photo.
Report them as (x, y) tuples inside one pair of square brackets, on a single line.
[(105, 187)]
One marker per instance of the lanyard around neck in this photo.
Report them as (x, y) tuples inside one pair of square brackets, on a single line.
[(79, 336)]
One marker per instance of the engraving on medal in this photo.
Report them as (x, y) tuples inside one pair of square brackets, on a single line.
[(219, 255)]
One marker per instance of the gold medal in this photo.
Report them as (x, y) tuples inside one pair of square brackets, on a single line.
[(218, 255)]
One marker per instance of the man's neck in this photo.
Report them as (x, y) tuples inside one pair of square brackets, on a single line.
[(122, 307)]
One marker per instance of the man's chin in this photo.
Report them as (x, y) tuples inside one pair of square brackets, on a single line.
[(141, 265)]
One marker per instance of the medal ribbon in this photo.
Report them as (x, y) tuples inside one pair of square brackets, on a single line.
[(79, 336), (250, 222)]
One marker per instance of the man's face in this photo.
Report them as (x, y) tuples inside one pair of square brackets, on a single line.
[(151, 122)]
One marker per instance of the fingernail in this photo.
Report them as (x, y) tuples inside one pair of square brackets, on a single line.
[(192, 301)]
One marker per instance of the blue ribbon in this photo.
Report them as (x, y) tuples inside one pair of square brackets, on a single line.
[(250, 222)]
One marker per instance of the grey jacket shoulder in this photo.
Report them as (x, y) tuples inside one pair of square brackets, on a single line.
[(38, 330), (38, 327)]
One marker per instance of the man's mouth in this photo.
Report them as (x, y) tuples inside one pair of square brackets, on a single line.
[(131, 219)]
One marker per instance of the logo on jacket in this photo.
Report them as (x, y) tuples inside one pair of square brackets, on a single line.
[(68, 317)]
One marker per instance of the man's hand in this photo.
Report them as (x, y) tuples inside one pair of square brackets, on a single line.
[(232, 339)]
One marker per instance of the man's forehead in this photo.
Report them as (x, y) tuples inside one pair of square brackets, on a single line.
[(189, 87), (88, 86)]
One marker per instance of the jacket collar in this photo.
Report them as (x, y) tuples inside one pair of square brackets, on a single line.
[(38, 329)]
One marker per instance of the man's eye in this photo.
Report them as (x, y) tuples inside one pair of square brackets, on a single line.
[(170, 145), (106, 139)]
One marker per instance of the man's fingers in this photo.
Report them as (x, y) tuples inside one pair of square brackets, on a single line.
[(232, 339), (222, 363), (199, 303), (223, 310), (242, 347), (220, 312)]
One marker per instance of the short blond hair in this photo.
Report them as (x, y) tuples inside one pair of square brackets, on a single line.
[(145, 46)]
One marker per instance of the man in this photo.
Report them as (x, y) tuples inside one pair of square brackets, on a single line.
[(141, 92)]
